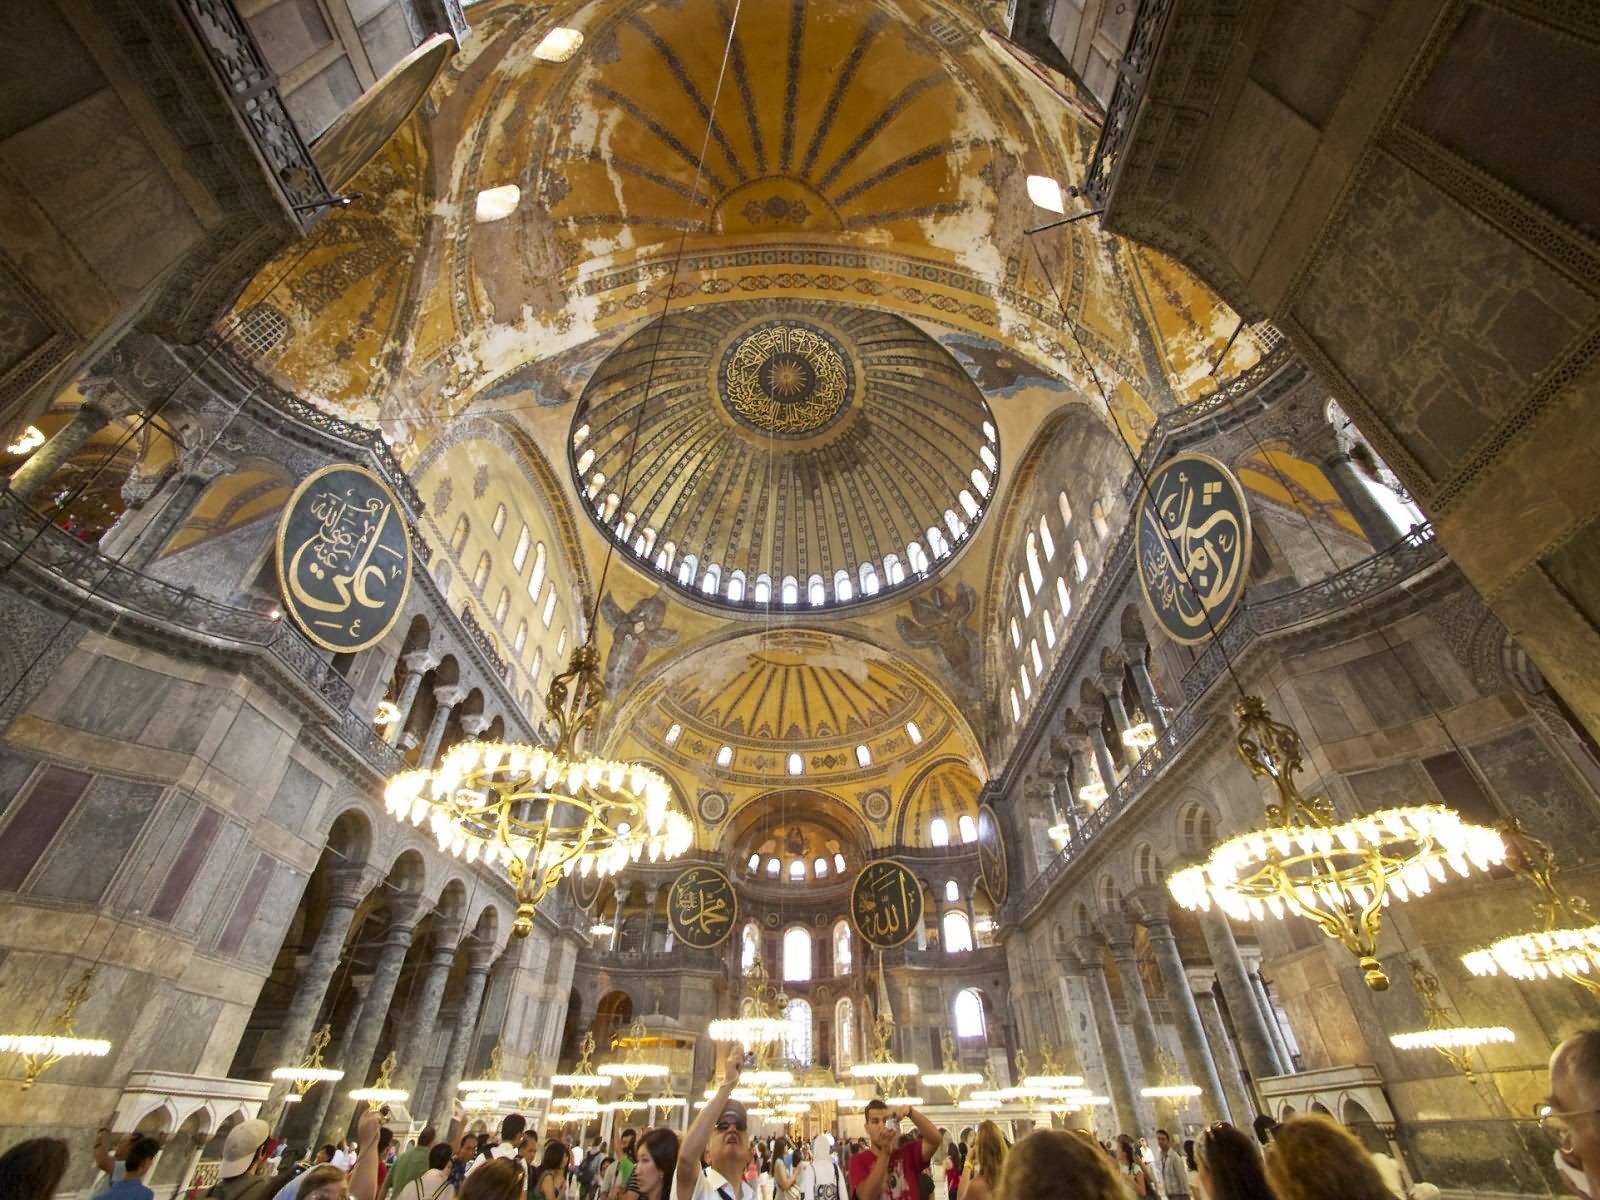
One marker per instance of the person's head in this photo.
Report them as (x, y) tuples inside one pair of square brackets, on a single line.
[(1573, 1115), (1052, 1164), (730, 1140), (428, 1137), (880, 1128), (1163, 1140), (140, 1155), (497, 1179), (1230, 1165), (656, 1162), (555, 1157), (1188, 1153), (32, 1170), (1127, 1153), (1316, 1158), (992, 1148), (439, 1155), (629, 1136), (324, 1154), (385, 1140), (324, 1183), (245, 1150), (511, 1128), (1265, 1127), (468, 1146)]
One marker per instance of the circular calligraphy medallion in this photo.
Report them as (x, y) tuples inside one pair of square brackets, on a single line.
[(702, 908), (1193, 546), (992, 854), (885, 904), (585, 888), (713, 807), (876, 805), (344, 558), (786, 379)]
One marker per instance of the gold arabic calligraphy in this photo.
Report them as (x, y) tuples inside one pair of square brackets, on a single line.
[(702, 908), (1193, 548), (886, 904)]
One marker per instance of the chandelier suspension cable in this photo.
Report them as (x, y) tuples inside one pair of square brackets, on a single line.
[(661, 325)]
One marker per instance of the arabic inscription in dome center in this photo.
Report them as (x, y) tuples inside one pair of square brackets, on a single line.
[(786, 379)]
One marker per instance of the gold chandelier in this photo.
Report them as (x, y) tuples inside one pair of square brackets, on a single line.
[(540, 813), (1338, 875), (883, 1070), (1171, 1085), (763, 1025), (41, 1051), (382, 1090), (494, 1082), (1455, 1042), (950, 1077), (1568, 945), (632, 1068), (310, 1072), (1141, 731)]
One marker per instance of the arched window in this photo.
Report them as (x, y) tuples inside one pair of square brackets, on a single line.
[(521, 638), (712, 580), (585, 461), (1035, 572), (989, 460), (549, 609), (754, 864), (1045, 540), (843, 959), (988, 431), (502, 606), (938, 832), (1097, 518), (819, 868), (1065, 506), (968, 828), (1049, 628), (645, 542), (458, 539), (1038, 659), (1080, 564), (892, 570), (687, 570), (796, 953), (749, 944), (596, 482), (917, 557), (954, 524), (673, 734), (762, 593), (1016, 707), (797, 763), (1022, 591), (980, 481), (536, 579), (666, 556), (499, 524), (797, 869), (969, 1020), (791, 590), (957, 932), (952, 891), (609, 508), (936, 542), (580, 436), (1016, 634), (838, 864), (538, 665), (797, 1042), (816, 592), (724, 756), (519, 556), (842, 588), (1022, 677), (869, 579), (625, 529), (844, 1027), (1062, 598), (736, 586), (968, 504), (481, 575), (773, 866)]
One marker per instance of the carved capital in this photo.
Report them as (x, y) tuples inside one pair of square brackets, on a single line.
[(449, 695), (419, 662), (473, 724)]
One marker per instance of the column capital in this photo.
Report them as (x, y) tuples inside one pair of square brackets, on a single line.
[(473, 724), (419, 662), (405, 911), (1201, 979), (449, 695), (1088, 951), (349, 882), (481, 955)]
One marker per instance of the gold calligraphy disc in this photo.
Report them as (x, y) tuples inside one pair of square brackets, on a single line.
[(886, 904), (702, 908), (344, 558), (992, 854), (1192, 546)]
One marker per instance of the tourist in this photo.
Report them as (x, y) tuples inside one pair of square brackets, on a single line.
[(466, 1154), (1052, 1164), (1572, 1113), (784, 1176), (885, 1171), (344, 1155), (1170, 1169), (331, 1183), (434, 1182), (496, 1179), (550, 1180), (1264, 1127), (244, 1159), (32, 1170), (410, 1164), (821, 1178), (726, 1152), (1315, 1158), (140, 1158), (385, 1154), (511, 1128), (1229, 1165), (622, 1147), (1130, 1168), (1195, 1190), (110, 1157), (988, 1161), (655, 1164)]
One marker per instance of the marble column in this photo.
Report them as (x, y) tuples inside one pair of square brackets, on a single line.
[(1270, 1014), (1078, 751), (651, 894), (43, 463), (1146, 687), (1119, 719), (1205, 1000), (170, 508), (1350, 482), (357, 1062), (417, 664), (1102, 756), (1255, 1043), (424, 1016), (1124, 1096), (1064, 812), (445, 700), (1191, 1033), (312, 978), (479, 955), (1144, 1022), (325, 1095)]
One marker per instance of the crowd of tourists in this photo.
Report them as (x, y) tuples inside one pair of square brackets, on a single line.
[(1304, 1158)]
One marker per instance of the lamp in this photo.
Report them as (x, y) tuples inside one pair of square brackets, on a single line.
[(633, 1069), (1141, 731), (953, 1080), (883, 1069), (310, 1072), (493, 1081), (1453, 1041), (41, 1051), (1338, 875), (762, 1025), (381, 1091), (1172, 1085), (1568, 945), (540, 813)]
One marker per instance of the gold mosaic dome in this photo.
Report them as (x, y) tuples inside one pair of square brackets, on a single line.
[(789, 455)]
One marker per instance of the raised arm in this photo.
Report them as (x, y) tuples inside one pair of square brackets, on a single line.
[(699, 1135), (364, 1175), (928, 1130)]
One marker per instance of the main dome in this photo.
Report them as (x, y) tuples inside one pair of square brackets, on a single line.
[(789, 455)]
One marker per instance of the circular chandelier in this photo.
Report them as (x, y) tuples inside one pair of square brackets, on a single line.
[(493, 1083), (1141, 732), (310, 1072), (1338, 875), (1455, 1042), (950, 1077), (41, 1051), (382, 1091), (1567, 946), (760, 1026), (540, 813), (1171, 1084), (883, 1069), (632, 1068)]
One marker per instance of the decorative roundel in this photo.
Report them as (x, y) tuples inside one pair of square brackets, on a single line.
[(702, 908), (1193, 546), (876, 805), (713, 807), (786, 378), (770, 920), (992, 854), (886, 904), (585, 888)]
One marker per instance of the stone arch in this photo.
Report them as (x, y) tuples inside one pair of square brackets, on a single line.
[(349, 835), (408, 873), (1195, 829), (1146, 865), (487, 927), (611, 1016), (1131, 625), (1108, 896), (452, 902), (1082, 920)]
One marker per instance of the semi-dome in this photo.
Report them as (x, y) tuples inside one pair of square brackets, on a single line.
[(797, 455)]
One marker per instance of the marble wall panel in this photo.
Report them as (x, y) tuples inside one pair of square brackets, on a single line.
[(1396, 685), (98, 839), (36, 822), (1550, 798), (1389, 787), (14, 771), (118, 700), (1306, 54), (296, 794)]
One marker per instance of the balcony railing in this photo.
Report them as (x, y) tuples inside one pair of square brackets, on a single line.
[(1133, 74), (1346, 590)]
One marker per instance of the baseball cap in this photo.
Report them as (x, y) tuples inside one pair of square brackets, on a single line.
[(735, 1109), (239, 1151)]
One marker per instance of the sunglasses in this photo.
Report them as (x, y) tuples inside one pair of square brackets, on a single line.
[(724, 1126)]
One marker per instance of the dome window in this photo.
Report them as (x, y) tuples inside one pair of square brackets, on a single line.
[(724, 756), (863, 756), (797, 764)]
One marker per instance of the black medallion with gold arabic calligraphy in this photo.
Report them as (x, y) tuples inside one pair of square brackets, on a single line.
[(885, 904), (701, 908), (1193, 544), (992, 854), (585, 888), (344, 558)]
